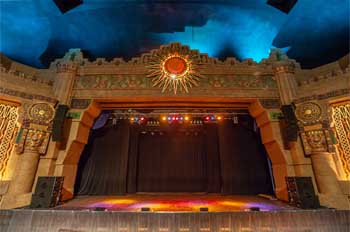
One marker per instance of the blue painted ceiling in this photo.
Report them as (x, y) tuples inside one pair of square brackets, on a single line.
[(35, 32)]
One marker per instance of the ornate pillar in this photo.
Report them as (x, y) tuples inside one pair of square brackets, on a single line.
[(33, 139), (286, 83), (66, 69), (34, 145), (315, 134), (64, 82)]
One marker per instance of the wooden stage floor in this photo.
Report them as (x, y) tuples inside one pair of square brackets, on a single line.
[(175, 203)]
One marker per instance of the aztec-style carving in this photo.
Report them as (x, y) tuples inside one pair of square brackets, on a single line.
[(331, 94), (341, 119), (35, 141), (8, 130), (24, 95), (41, 113), (314, 141), (175, 68), (308, 112), (142, 82)]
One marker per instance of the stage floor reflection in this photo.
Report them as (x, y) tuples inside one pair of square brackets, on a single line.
[(175, 203)]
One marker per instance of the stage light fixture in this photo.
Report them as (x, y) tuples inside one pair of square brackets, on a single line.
[(187, 118), (212, 118), (207, 118), (219, 118), (164, 118)]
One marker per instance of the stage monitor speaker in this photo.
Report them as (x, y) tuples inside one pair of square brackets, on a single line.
[(66, 5), (47, 192), (58, 122), (301, 192), (283, 5)]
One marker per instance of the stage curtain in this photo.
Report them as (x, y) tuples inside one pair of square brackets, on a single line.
[(133, 158), (174, 161), (244, 167), (103, 165), (213, 158)]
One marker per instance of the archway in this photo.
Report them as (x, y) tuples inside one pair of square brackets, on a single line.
[(67, 162)]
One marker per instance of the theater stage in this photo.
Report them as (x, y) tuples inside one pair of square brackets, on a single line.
[(175, 203)]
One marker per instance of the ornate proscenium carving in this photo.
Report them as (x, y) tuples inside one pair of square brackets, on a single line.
[(174, 68), (36, 141), (8, 129), (308, 112)]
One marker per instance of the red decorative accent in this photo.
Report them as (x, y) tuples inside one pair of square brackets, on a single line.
[(175, 65)]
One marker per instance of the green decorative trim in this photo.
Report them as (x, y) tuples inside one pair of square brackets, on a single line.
[(74, 115), (19, 135), (275, 116)]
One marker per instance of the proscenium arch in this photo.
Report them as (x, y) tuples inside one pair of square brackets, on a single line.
[(67, 164)]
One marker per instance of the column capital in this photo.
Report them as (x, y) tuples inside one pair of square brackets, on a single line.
[(285, 66), (66, 67)]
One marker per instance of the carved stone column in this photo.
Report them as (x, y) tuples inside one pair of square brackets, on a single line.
[(34, 145), (284, 75), (34, 137), (66, 69), (64, 82), (315, 134)]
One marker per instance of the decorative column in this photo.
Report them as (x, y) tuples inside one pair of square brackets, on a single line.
[(33, 139), (66, 70), (286, 83), (315, 134)]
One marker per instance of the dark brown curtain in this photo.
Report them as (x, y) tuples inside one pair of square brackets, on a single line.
[(244, 164), (103, 165), (222, 158), (173, 161)]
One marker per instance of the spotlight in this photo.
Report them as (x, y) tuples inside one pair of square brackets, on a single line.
[(207, 118), (218, 117), (132, 119), (173, 118), (187, 118), (164, 118), (142, 118), (169, 118), (212, 118)]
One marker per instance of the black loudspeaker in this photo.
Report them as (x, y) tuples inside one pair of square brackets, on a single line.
[(66, 5), (301, 192), (283, 5), (47, 192), (290, 125), (58, 122)]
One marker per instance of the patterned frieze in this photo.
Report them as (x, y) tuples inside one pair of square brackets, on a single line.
[(24, 95), (140, 81), (331, 94)]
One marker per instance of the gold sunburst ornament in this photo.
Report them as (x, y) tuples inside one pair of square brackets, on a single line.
[(174, 72)]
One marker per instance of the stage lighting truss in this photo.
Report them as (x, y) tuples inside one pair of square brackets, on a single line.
[(174, 72)]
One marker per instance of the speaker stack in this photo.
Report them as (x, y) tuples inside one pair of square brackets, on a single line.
[(291, 125), (58, 122), (47, 192), (301, 192)]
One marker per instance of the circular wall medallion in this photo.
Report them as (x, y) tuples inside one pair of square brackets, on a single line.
[(308, 112), (175, 65), (41, 112)]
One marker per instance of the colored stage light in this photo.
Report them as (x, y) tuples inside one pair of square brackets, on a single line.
[(218, 117), (187, 118), (132, 119), (142, 118), (173, 118), (169, 118), (164, 118), (212, 118), (177, 118), (207, 118)]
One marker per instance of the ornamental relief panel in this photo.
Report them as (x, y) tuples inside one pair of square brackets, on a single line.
[(142, 82)]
